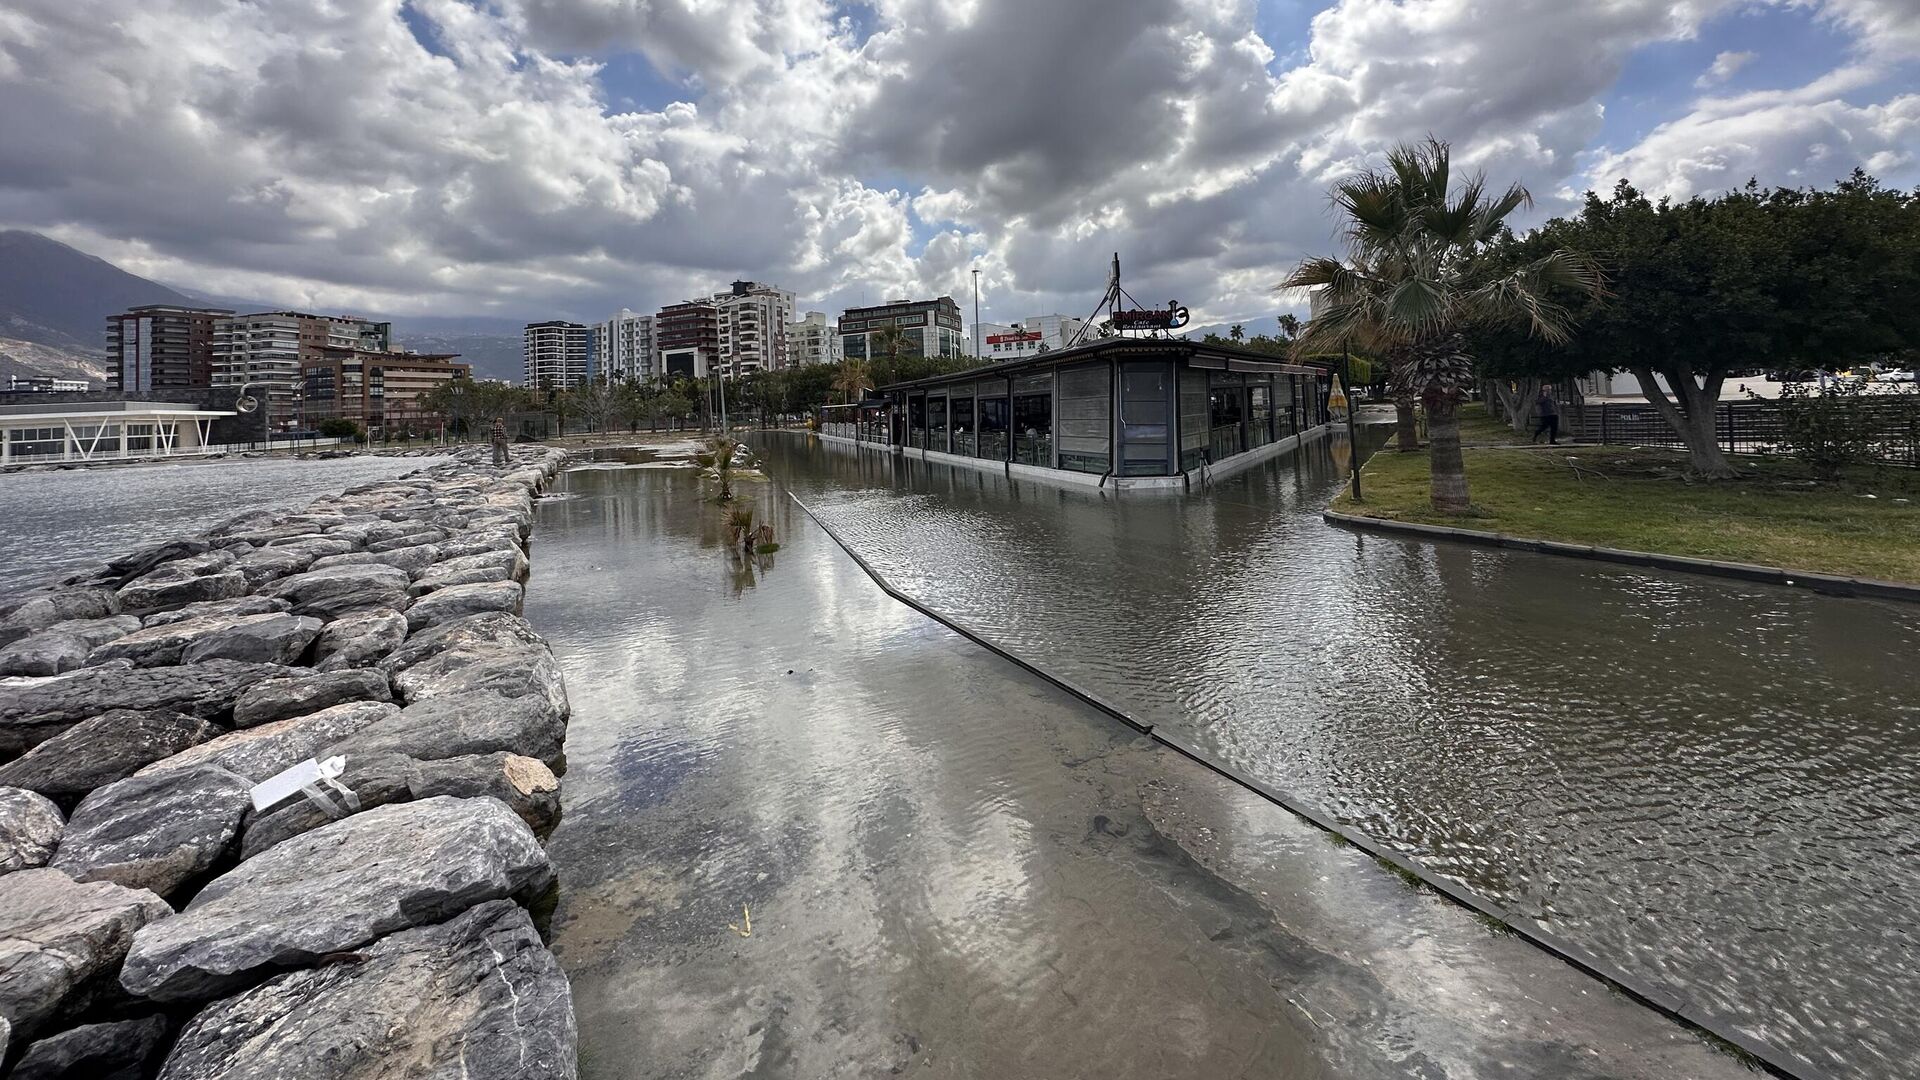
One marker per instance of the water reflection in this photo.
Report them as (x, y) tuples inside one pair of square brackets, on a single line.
[(1710, 783)]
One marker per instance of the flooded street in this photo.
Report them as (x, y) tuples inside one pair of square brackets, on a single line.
[(56, 521), (811, 833)]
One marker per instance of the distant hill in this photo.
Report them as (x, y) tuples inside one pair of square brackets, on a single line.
[(54, 295)]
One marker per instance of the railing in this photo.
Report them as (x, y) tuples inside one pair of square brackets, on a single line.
[(1033, 449), (993, 445), (1755, 427), (1224, 441), (963, 443)]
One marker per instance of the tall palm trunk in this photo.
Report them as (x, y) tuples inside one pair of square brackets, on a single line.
[(1448, 469), (1406, 431)]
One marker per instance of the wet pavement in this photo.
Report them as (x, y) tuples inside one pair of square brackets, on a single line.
[(952, 868)]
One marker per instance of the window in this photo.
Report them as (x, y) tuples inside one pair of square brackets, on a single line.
[(1145, 393), (994, 414), (936, 421), (1194, 422), (1085, 422), (1033, 420), (1226, 409), (961, 412), (1260, 410)]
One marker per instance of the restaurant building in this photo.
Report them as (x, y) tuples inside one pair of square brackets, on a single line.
[(1121, 412)]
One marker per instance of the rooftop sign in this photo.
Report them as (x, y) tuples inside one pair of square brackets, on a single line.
[(1024, 335), (1172, 317)]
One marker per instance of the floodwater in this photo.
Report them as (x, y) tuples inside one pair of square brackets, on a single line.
[(809, 832), (1710, 784), (59, 521)]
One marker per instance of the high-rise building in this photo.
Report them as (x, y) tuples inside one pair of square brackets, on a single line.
[(555, 355), (753, 322), (688, 336), (1028, 337), (161, 347), (624, 348), (932, 328), (267, 348), (812, 340), (378, 390)]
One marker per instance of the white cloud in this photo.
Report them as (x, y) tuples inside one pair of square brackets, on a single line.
[(1723, 67)]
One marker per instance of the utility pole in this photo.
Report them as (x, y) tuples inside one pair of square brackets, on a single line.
[(1353, 444), (976, 315)]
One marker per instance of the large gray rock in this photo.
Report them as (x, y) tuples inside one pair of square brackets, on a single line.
[(128, 567), (460, 601), (34, 612), (359, 639), (419, 535), (526, 785), (499, 564), (269, 638), (494, 652), (410, 559), (307, 692), (191, 579), (336, 889), (259, 752), (337, 590), (30, 827), (30, 715), (273, 563), (108, 747), (63, 646), (58, 936), (239, 605), (120, 1050), (460, 724), (481, 542), (477, 997), (158, 831)]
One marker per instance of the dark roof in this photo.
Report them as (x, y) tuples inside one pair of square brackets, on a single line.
[(1229, 357)]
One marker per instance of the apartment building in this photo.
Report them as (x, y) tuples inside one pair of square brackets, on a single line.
[(753, 320), (377, 390), (1028, 337), (161, 347), (555, 355), (267, 349), (688, 336), (812, 340), (932, 328), (624, 348)]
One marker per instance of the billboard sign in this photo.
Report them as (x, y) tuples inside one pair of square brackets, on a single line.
[(1172, 317)]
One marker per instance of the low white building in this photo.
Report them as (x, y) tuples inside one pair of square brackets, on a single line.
[(58, 431), (1028, 337), (812, 340)]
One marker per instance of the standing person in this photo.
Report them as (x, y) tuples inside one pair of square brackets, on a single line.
[(499, 441), (1547, 412)]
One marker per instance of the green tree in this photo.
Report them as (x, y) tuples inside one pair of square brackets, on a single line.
[(852, 378), (892, 344), (1408, 288)]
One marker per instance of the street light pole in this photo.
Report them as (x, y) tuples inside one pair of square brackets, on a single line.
[(976, 315), (1353, 445)]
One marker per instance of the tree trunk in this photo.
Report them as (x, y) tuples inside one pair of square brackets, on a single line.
[(1518, 403), (1408, 435), (1690, 413), (1448, 469)]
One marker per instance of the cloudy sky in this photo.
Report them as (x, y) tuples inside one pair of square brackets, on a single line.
[(532, 158)]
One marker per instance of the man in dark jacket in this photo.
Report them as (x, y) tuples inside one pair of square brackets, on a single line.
[(1546, 412)]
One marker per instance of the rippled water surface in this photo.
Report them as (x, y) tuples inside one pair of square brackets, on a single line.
[(56, 522), (1711, 784)]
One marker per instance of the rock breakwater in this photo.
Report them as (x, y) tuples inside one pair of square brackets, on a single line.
[(154, 923)]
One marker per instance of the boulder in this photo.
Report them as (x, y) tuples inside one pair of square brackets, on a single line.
[(337, 590), (39, 611), (272, 563), (499, 564), (274, 637), (62, 646), (477, 997), (259, 752), (239, 605), (120, 1050), (112, 746), (410, 559), (335, 889), (158, 831), (527, 786), (460, 724), (359, 639), (144, 597), (493, 651), (30, 827), (58, 936), (143, 561), (311, 547), (307, 692), (479, 542), (30, 715), (460, 601)]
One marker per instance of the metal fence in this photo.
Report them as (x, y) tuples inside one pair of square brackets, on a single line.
[(1755, 427)]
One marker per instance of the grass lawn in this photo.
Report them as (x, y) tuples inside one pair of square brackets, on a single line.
[(1772, 515)]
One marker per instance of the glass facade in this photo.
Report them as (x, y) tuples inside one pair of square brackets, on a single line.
[(1083, 399)]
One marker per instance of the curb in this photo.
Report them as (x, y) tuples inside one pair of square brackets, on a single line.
[(1828, 584), (1661, 1000)]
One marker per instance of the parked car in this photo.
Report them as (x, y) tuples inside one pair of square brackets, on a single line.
[(1897, 376), (1794, 376)]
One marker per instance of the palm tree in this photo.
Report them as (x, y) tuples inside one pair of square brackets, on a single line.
[(1409, 289), (891, 341), (1236, 333), (852, 378)]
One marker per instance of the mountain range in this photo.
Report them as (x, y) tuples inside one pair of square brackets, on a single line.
[(55, 299)]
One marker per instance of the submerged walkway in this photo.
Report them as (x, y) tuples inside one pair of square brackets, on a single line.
[(953, 869)]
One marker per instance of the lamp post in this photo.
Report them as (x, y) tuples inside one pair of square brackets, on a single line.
[(976, 315), (1353, 446)]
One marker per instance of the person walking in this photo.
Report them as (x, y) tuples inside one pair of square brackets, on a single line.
[(499, 441), (1546, 413)]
